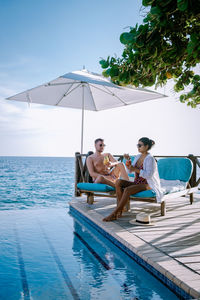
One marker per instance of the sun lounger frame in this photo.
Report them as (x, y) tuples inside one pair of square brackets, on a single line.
[(82, 175)]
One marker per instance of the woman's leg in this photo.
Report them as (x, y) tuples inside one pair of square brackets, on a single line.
[(130, 190), (119, 186)]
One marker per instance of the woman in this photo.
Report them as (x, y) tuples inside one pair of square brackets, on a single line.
[(146, 178)]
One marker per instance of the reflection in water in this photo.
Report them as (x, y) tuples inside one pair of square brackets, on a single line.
[(109, 261), (86, 257)]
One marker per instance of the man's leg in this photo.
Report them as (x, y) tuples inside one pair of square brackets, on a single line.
[(120, 171), (130, 190), (103, 179)]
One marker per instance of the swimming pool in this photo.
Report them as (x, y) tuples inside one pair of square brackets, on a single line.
[(48, 254)]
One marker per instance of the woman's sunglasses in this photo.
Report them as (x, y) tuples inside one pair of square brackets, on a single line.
[(139, 145)]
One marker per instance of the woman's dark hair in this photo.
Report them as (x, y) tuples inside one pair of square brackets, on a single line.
[(147, 141)]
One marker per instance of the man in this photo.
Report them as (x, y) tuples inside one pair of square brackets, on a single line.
[(103, 168)]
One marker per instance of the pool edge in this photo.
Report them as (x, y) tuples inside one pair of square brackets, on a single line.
[(180, 288)]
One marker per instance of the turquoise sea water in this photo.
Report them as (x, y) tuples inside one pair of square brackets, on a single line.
[(36, 182)]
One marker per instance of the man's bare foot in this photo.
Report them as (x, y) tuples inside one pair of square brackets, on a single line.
[(109, 218)]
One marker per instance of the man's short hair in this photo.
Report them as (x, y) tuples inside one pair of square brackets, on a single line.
[(98, 140)]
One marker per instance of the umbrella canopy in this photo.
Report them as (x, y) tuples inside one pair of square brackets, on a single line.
[(84, 90)]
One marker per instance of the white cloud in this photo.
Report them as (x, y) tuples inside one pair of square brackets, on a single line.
[(8, 109)]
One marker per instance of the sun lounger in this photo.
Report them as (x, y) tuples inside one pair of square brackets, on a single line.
[(175, 173)]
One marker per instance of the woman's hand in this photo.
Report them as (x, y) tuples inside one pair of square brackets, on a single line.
[(129, 167), (134, 169), (126, 156), (128, 163)]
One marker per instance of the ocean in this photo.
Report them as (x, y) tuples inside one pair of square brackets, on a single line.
[(36, 182)]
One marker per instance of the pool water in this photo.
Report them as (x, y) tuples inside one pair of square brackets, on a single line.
[(49, 254)]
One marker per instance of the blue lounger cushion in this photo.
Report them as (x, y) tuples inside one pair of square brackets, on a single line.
[(131, 174), (145, 194), (95, 187), (100, 187), (175, 168)]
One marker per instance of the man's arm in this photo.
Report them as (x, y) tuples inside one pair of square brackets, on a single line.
[(111, 158), (90, 167), (113, 161)]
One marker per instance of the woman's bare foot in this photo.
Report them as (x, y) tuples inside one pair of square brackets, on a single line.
[(119, 214), (109, 218), (125, 209)]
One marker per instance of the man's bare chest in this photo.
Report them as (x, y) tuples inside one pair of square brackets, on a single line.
[(98, 163)]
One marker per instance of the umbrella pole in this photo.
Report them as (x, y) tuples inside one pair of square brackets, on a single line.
[(82, 125)]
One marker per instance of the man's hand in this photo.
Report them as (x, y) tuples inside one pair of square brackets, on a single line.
[(107, 164), (112, 164)]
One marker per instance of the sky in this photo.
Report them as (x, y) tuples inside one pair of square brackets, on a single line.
[(44, 39)]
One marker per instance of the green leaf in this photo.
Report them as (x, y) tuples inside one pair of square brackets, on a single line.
[(114, 71), (190, 47), (104, 63), (196, 77), (195, 54), (154, 55), (165, 2), (194, 37), (106, 73), (182, 4), (126, 38), (139, 43), (112, 60), (147, 2), (146, 20), (155, 10)]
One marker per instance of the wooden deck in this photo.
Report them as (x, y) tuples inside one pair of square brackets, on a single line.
[(171, 245)]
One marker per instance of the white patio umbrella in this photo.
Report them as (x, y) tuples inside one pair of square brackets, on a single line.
[(87, 91)]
